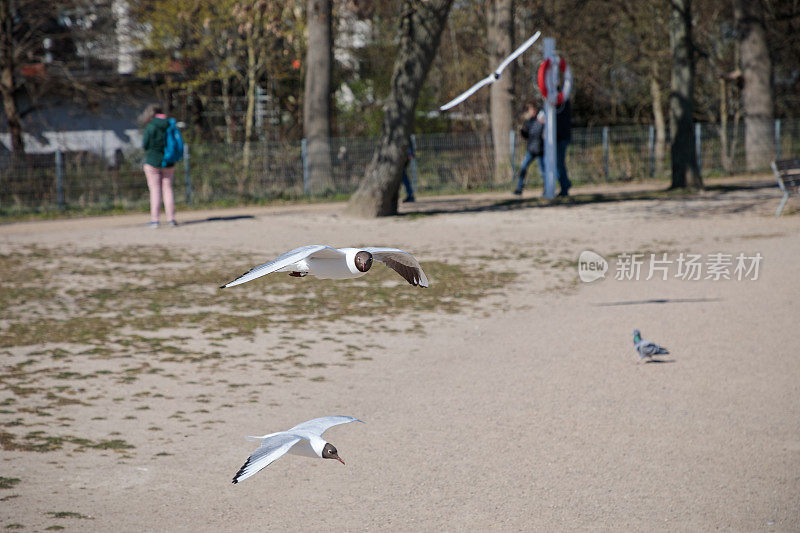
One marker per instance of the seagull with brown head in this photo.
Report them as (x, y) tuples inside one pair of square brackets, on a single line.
[(326, 262)]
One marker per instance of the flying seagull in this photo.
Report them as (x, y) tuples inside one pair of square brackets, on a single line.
[(646, 348), (303, 439), (494, 76), (325, 262)]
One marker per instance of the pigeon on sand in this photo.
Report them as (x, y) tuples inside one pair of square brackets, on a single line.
[(646, 348)]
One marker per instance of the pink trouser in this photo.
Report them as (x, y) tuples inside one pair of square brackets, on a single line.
[(159, 181)]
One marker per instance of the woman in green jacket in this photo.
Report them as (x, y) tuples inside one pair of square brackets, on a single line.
[(159, 178)]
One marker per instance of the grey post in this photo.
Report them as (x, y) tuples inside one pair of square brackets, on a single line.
[(651, 143), (304, 156), (549, 49), (605, 152), (698, 147), (512, 142), (777, 139), (413, 165), (60, 180), (187, 173)]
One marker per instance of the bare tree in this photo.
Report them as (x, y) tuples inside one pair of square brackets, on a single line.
[(757, 89), (22, 31), (421, 25), (685, 171), (500, 26), (254, 25), (9, 57), (317, 97)]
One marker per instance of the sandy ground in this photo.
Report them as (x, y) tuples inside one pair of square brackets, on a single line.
[(524, 409)]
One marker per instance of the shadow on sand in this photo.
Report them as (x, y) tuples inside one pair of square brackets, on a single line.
[(676, 197), (660, 301), (216, 219)]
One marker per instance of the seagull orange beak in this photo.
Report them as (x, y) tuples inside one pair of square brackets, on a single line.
[(339, 459)]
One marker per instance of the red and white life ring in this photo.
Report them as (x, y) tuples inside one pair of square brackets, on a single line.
[(566, 74)]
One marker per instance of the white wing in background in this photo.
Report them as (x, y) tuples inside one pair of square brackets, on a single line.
[(494, 76), (516, 53), (469, 92)]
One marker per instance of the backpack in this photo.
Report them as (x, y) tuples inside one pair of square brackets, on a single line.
[(173, 145)]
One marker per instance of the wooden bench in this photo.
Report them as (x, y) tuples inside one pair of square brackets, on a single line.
[(787, 172)]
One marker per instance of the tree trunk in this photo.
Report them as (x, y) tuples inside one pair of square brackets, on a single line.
[(250, 112), (227, 110), (420, 30), (317, 97), (685, 172), (757, 90), (501, 41), (659, 122), (8, 83)]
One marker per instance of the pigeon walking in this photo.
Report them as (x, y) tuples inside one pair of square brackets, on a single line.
[(646, 348), (303, 439), (326, 262)]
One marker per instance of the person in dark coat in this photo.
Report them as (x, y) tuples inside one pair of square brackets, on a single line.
[(532, 130), (563, 138), (406, 180)]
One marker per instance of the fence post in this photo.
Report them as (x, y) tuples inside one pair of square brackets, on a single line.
[(605, 152), (651, 144), (512, 141), (187, 173), (777, 139), (60, 180), (304, 156), (413, 141), (698, 147)]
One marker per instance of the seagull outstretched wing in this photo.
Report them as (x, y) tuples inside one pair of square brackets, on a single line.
[(271, 449), (494, 76), (284, 260), (401, 262), (318, 426)]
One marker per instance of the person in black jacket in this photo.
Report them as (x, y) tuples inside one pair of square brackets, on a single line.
[(563, 137), (531, 130)]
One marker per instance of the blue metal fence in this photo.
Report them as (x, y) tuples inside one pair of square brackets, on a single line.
[(233, 173)]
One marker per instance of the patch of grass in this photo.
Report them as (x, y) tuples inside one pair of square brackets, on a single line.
[(66, 514), (8, 482), (38, 441), (115, 445), (112, 320)]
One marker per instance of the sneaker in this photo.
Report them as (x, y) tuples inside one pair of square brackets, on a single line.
[(518, 192), (563, 193), (152, 225), (173, 223), (410, 199)]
